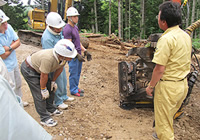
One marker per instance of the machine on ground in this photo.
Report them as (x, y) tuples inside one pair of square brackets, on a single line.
[(135, 76)]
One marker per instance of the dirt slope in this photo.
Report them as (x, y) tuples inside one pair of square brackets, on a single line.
[(97, 115)]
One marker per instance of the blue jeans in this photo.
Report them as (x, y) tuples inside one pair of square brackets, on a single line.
[(75, 67), (61, 92)]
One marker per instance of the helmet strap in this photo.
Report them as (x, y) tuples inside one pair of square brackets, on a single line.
[(58, 58), (51, 31), (70, 18)]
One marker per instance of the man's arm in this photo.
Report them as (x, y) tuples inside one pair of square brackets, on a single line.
[(43, 80), (156, 76), (14, 45), (57, 73), (82, 48)]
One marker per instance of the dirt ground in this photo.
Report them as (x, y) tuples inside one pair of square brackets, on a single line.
[(97, 115)]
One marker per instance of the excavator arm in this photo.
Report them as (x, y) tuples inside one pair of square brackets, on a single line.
[(192, 27)]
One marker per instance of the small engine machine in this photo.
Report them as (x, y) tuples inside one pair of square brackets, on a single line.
[(135, 76)]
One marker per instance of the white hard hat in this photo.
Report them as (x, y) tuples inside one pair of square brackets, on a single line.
[(55, 20), (2, 2), (71, 11), (3, 17), (65, 47)]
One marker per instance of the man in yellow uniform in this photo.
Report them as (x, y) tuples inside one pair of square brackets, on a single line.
[(172, 58)]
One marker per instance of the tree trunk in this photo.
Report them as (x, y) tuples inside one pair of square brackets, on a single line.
[(119, 20), (29, 2), (197, 15), (92, 11), (193, 14), (142, 20), (129, 21), (109, 17), (188, 14), (43, 4), (122, 23), (95, 13), (126, 19)]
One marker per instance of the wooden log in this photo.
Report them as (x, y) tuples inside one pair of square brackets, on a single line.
[(129, 45), (113, 46), (91, 35), (117, 46)]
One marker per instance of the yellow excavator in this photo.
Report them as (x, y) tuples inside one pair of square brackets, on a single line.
[(36, 20)]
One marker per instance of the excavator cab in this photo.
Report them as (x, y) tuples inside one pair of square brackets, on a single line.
[(36, 19)]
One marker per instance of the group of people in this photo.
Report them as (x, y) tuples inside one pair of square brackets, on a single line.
[(46, 76), (44, 70)]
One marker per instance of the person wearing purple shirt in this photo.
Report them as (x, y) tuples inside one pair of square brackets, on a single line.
[(71, 33)]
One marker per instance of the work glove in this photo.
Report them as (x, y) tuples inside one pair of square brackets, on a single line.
[(88, 55), (80, 58), (45, 93), (54, 86)]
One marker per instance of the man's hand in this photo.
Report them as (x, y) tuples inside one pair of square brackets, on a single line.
[(149, 91), (80, 58), (54, 86), (45, 93), (6, 48), (88, 55)]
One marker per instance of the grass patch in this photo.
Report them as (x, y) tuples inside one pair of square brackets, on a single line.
[(196, 43)]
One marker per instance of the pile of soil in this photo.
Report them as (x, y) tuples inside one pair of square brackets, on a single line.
[(97, 115)]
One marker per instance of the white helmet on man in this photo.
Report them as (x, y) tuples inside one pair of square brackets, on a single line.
[(55, 20), (2, 2), (65, 47), (3, 17), (71, 11)]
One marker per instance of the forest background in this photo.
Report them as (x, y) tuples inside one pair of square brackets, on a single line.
[(126, 18)]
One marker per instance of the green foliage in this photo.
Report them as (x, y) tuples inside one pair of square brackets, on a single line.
[(151, 11), (196, 43), (85, 31), (135, 18), (19, 16), (16, 15), (114, 17)]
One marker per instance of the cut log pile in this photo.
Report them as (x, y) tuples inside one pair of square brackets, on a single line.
[(114, 42)]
